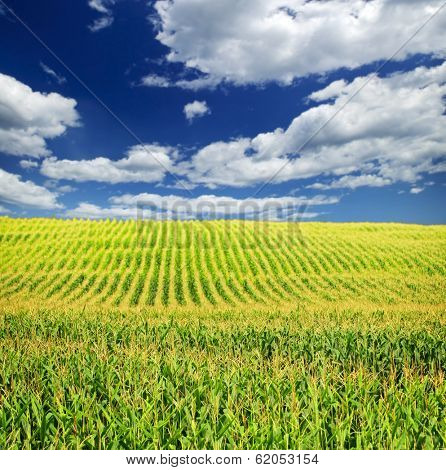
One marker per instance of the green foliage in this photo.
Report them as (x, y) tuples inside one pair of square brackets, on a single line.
[(108, 383)]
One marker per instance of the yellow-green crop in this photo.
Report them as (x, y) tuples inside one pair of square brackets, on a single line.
[(221, 335)]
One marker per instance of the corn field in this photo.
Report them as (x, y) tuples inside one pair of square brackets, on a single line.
[(221, 335)]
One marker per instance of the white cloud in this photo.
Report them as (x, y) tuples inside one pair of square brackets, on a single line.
[(416, 190), (28, 118), (148, 163), (256, 41), (59, 78), (101, 23), (61, 189), (156, 81), (203, 207), (3, 209), (28, 164), (86, 210), (25, 193), (393, 130), (181, 185), (195, 110), (66, 188), (103, 7), (354, 182)]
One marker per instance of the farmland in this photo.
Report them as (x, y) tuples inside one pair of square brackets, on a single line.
[(221, 335)]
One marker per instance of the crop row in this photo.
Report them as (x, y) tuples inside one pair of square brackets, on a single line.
[(218, 263)]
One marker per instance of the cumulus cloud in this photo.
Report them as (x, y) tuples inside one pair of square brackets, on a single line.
[(393, 130), (60, 79), (3, 209), (143, 163), (103, 7), (195, 110), (172, 207), (257, 41), (25, 193), (28, 118)]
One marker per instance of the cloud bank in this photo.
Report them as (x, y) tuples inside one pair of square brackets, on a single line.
[(392, 131), (154, 206), (257, 41)]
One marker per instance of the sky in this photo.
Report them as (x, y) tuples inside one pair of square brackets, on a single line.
[(257, 109)]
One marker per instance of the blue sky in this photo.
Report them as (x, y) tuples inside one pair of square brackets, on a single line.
[(217, 98)]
